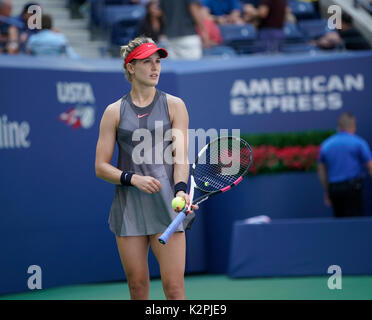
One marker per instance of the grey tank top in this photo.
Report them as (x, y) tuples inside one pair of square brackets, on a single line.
[(144, 142)]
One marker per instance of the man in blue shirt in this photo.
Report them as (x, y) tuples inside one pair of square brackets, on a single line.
[(224, 11), (49, 43), (343, 161)]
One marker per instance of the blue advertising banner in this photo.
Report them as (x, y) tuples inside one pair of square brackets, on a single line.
[(280, 94), (54, 210)]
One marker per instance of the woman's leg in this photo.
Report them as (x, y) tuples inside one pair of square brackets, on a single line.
[(172, 259), (133, 253)]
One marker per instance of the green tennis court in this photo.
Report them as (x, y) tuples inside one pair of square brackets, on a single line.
[(217, 287)]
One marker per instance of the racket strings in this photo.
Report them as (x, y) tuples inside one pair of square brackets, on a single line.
[(224, 161)]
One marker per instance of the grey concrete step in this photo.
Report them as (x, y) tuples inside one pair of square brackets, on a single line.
[(78, 36), (59, 14), (85, 53), (71, 24), (55, 3), (47, 6)]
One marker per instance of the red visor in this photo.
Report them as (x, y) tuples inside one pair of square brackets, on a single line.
[(145, 50)]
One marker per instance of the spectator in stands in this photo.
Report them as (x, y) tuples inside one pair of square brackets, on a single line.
[(249, 16), (211, 28), (48, 42), (272, 16), (289, 16), (152, 26), (8, 30), (181, 19), (254, 3), (5, 10), (343, 160), (224, 11), (352, 38), (24, 32), (248, 10), (347, 37)]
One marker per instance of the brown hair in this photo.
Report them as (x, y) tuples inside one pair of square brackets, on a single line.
[(46, 22)]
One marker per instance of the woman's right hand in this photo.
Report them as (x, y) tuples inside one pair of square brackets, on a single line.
[(146, 183)]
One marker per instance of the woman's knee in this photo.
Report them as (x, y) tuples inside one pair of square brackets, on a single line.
[(174, 290), (139, 288)]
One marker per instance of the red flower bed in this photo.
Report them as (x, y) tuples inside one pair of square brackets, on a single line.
[(292, 158)]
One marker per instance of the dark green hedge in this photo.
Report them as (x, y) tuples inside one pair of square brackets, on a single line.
[(286, 139)]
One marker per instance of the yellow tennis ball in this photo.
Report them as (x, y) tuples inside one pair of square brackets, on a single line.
[(178, 203)]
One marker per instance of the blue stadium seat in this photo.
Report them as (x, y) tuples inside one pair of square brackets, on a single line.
[(240, 38), (302, 10), (297, 47), (313, 29), (129, 13), (121, 33), (122, 21), (295, 40), (232, 32), (292, 32), (223, 51)]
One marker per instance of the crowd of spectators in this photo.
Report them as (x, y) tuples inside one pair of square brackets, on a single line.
[(269, 18), (31, 32), (177, 23), (347, 36), (180, 22)]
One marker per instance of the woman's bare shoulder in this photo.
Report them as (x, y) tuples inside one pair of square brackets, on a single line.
[(175, 105), (112, 112), (173, 100), (114, 107)]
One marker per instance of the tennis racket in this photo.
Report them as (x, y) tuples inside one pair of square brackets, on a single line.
[(219, 166)]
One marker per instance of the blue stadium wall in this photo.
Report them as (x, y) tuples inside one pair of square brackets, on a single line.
[(54, 211)]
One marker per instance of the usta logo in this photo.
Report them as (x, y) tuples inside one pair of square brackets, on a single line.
[(75, 92), (80, 94)]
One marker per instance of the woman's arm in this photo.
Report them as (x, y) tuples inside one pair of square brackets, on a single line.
[(180, 124), (322, 174), (106, 145), (198, 13)]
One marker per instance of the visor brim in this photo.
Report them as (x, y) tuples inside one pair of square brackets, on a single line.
[(145, 54)]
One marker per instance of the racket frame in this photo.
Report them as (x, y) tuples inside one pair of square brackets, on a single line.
[(163, 239)]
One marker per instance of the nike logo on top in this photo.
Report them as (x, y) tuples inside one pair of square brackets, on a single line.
[(141, 116)]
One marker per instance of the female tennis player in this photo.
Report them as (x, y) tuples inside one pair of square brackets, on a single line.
[(141, 209)]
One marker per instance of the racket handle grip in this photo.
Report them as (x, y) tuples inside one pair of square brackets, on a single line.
[(163, 239)]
